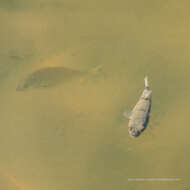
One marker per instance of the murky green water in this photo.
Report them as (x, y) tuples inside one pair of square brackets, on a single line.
[(71, 134)]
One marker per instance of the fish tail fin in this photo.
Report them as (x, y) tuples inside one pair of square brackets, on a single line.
[(146, 82)]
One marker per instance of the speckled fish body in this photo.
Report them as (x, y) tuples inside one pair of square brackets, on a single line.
[(139, 118)]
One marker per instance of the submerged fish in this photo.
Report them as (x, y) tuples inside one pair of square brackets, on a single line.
[(48, 77), (139, 117), (52, 76)]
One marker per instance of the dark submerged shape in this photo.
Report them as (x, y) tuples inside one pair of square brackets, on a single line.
[(48, 77)]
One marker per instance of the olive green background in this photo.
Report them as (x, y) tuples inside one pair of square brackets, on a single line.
[(73, 135)]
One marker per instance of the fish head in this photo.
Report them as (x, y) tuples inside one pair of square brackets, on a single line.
[(134, 132), (135, 129)]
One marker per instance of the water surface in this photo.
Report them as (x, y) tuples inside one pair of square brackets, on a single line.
[(73, 135)]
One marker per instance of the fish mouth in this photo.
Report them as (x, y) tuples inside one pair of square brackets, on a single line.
[(133, 133)]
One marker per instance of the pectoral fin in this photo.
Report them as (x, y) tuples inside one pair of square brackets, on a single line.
[(127, 114)]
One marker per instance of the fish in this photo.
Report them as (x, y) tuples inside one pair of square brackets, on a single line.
[(48, 77), (139, 117)]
